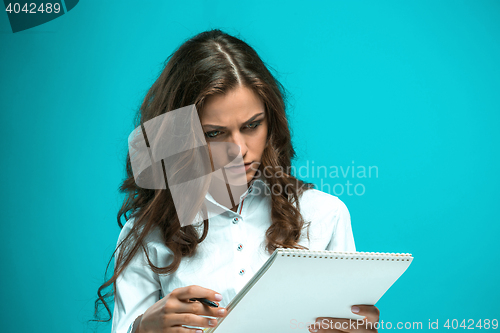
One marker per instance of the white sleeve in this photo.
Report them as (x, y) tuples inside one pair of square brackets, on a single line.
[(342, 238), (137, 288)]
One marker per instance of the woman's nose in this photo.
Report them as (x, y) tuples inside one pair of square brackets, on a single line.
[(238, 144)]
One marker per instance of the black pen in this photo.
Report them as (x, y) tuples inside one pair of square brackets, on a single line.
[(205, 301)]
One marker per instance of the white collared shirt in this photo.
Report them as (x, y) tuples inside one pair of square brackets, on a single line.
[(232, 252)]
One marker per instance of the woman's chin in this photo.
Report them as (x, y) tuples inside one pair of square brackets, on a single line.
[(233, 179)]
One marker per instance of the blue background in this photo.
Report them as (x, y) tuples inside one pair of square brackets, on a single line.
[(411, 87)]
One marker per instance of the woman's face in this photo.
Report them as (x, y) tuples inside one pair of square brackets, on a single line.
[(237, 119)]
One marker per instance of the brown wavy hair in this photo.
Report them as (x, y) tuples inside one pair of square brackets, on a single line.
[(210, 63)]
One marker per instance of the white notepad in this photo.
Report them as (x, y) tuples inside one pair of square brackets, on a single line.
[(294, 287)]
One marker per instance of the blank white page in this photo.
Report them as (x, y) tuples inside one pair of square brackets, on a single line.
[(296, 286)]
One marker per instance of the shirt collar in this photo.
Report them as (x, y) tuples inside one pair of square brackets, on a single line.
[(260, 182)]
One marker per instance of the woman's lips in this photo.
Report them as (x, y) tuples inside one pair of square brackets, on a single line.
[(247, 166), (240, 168)]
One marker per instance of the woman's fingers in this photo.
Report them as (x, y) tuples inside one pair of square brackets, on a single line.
[(190, 319), (197, 308), (330, 325), (368, 324), (180, 301), (371, 312), (195, 291)]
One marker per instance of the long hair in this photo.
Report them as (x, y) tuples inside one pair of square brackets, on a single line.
[(210, 63)]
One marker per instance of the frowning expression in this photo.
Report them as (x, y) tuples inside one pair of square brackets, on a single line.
[(237, 117)]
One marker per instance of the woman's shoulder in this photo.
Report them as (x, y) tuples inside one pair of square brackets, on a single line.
[(153, 239), (314, 197), (330, 220), (127, 227), (314, 202)]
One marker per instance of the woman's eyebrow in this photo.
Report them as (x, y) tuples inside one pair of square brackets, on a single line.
[(246, 122)]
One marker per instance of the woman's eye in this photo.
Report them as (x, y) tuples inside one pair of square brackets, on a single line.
[(212, 134), (254, 124)]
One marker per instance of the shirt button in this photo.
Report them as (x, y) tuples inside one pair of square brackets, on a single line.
[(235, 220), (240, 247), (242, 271)]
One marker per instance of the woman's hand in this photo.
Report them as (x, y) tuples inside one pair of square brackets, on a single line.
[(175, 309), (367, 324)]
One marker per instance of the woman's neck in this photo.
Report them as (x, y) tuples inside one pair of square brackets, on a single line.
[(220, 192)]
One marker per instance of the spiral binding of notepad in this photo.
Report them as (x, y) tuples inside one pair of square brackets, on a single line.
[(299, 253)]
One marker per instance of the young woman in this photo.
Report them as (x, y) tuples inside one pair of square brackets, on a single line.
[(160, 265)]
